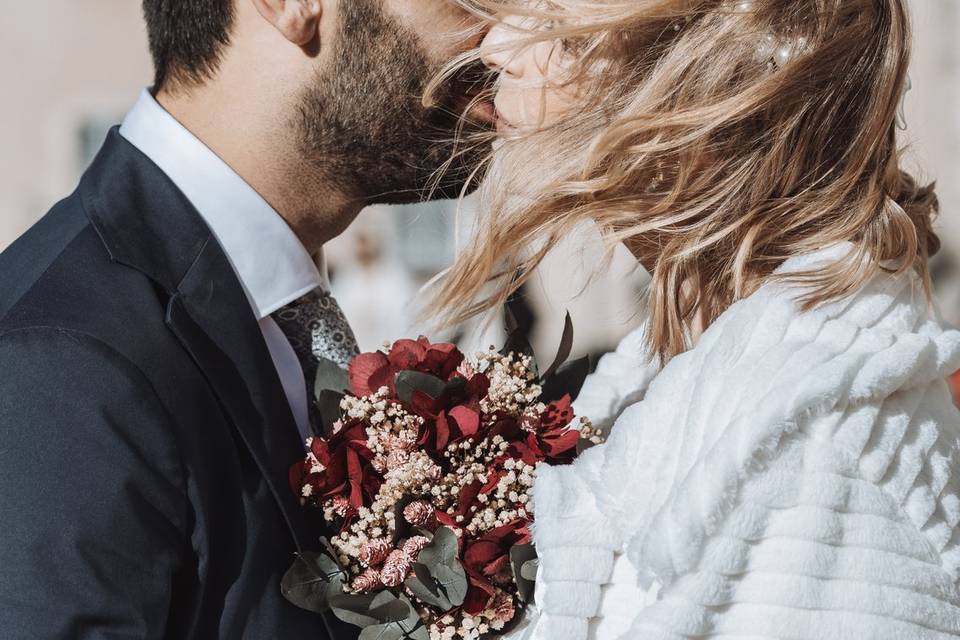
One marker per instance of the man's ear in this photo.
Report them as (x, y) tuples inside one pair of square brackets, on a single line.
[(297, 20)]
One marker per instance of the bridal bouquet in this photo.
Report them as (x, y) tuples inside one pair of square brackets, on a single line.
[(425, 474)]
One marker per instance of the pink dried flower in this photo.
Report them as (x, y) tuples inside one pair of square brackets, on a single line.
[(396, 569), (369, 580), (415, 545), (418, 513), (374, 552), (340, 506), (503, 609), (396, 443), (397, 458)]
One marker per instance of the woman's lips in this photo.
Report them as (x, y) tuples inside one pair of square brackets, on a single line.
[(477, 109)]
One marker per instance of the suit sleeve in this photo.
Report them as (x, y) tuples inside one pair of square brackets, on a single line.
[(91, 491)]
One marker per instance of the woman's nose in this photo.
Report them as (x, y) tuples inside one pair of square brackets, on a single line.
[(499, 49)]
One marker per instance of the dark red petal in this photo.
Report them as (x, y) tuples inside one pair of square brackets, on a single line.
[(446, 519), (479, 596), (443, 432), (362, 368), (467, 497), (478, 386), (296, 476), (467, 420), (355, 476), (555, 444), (406, 354), (481, 552)]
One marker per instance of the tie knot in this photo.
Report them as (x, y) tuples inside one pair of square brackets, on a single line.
[(317, 329)]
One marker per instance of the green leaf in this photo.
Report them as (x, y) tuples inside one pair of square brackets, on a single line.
[(369, 609), (331, 377), (563, 351), (409, 381), (567, 380), (443, 549), (423, 585), (522, 556), (313, 579), (328, 406), (411, 627), (438, 573), (529, 569)]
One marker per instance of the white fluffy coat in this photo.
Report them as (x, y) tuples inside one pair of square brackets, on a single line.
[(794, 475)]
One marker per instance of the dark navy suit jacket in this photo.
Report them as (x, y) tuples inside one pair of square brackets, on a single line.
[(144, 434)]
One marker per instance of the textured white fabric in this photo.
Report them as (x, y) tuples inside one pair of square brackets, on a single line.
[(794, 475), (271, 263)]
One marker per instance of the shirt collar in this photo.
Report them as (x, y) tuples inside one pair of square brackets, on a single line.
[(272, 264)]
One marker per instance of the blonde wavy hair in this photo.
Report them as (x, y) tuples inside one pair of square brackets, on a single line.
[(717, 139)]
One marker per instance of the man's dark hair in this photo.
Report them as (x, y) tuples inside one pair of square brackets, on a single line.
[(187, 38)]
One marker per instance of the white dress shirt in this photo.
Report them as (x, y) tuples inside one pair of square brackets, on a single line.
[(272, 264)]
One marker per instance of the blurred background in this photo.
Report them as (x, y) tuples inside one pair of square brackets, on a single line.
[(72, 68)]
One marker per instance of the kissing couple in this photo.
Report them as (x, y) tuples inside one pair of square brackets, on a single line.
[(783, 451)]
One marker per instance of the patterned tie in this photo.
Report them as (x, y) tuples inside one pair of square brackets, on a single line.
[(317, 329)]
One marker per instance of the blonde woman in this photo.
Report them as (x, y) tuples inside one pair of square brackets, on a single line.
[(785, 456)]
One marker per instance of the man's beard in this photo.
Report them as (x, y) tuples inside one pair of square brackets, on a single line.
[(362, 122)]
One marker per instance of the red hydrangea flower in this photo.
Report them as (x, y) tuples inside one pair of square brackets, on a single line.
[(346, 469), (456, 425), (370, 371), (487, 563), (553, 440)]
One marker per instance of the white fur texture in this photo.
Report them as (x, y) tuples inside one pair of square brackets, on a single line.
[(795, 475)]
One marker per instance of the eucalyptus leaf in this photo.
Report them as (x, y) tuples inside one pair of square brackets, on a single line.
[(438, 572), (370, 609), (563, 351), (411, 627), (330, 376), (409, 381), (522, 555), (529, 569), (567, 380), (423, 585), (422, 574), (441, 550), (328, 406), (312, 581), (451, 581)]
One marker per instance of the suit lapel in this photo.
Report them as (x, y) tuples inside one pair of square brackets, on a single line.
[(147, 224), (203, 315)]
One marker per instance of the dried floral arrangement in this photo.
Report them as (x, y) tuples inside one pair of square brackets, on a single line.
[(423, 477)]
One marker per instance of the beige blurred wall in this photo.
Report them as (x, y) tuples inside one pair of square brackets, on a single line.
[(62, 63), (933, 107)]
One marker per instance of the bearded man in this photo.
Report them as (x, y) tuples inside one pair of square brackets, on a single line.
[(160, 328)]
